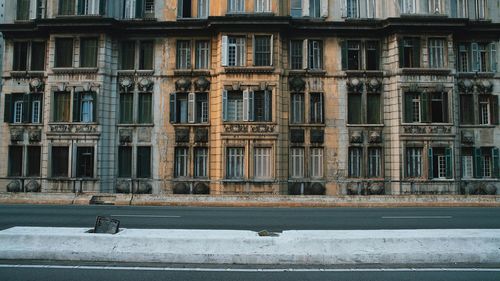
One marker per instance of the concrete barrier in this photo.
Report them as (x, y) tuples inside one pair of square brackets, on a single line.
[(246, 247)]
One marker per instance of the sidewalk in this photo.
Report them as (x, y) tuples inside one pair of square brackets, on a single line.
[(253, 200)]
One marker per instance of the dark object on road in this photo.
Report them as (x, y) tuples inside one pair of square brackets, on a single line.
[(264, 232), (106, 225)]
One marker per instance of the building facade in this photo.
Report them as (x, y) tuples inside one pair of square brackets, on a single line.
[(313, 97)]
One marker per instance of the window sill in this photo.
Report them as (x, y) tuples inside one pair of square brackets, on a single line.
[(249, 69), (136, 125), (474, 75), (27, 73), (25, 124), (190, 124), (427, 124), (192, 72), (478, 126), (306, 125), (75, 70), (365, 125), (314, 72), (425, 71), (136, 71), (367, 73), (479, 179)]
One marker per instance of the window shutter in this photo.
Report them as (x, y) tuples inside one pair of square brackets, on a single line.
[(139, 8), (191, 107), (76, 106), (321, 107), (246, 108), (424, 107), (324, 8), (478, 164), (494, 109), (271, 44), (305, 8), (401, 53), (102, 7), (180, 6), (224, 57), (7, 113), (344, 55), (449, 163), (26, 108), (475, 56), (453, 8), (81, 7), (39, 97), (416, 52), (431, 164), (496, 162), (343, 9), (493, 57), (251, 106), (224, 105), (267, 106), (32, 9), (254, 49), (173, 102), (377, 55), (408, 107), (305, 53), (94, 105)]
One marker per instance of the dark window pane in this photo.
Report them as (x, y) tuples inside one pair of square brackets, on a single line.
[(85, 162), (20, 56), (88, 52), (201, 108), (125, 161), (439, 107), (34, 154), (145, 108), (23, 9), (373, 109), (296, 54), (66, 7), (59, 161), (126, 108), (64, 52), (143, 162), (127, 55), (316, 108), (372, 55), (353, 55), (262, 106), (15, 161), (61, 107), (146, 55), (38, 56), (262, 50), (354, 108)]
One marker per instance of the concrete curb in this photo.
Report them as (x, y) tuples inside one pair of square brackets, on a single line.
[(246, 247), (256, 200)]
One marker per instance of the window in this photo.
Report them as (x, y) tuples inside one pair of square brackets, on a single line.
[(477, 57), (409, 52), (316, 169), (481, 9), (66, 7), (467, 163), (91, 7), (203, 8), (407, 7), (143, 162), (29, 56), (440, 163), (124, 161), (262, 106), (314, 8), (202, 54), (354, 111), (262, 6), (356, 104), (183, 54), (315, 54), (487, 105), (262, 163), (297, 162), (64, 52), (23, 108), (234, 162), (296, 54), (374, 162), (18, 111), (466, 109), (60, 157), (184, 8), (297, 109), (188, 108), (373, 108), (247, 106), (296, 8), (435, 7), (128, 55), (181, 162), (127, 108), (84, 162), (355, 156), (233, 106), (145, 108), (263, 50), (413, 162), (138, 9), (371, 9), (88, 52), (316, 108), (436, 53), (36, 111), (487, 109), (34, 157), (149, 9), (236, 6), (459, 8), (84, 107), (233, 51), (426, 107), (201, 110), (352, 8), (306, 54), (23, 9), (15, 161), (486, 162), (61, 107), (352, 58), (201, 162)]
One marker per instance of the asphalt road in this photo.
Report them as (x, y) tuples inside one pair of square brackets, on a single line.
[(135, 274), (272, 219)]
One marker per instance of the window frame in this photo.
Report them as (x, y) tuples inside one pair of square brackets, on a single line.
[(262, 160), (437, 53), (414, 162), (297, 162), (235, 162), (316, 169)]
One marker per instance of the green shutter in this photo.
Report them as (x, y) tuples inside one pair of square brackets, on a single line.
[(26, 108), (401, 52), (408, 107), (224, 105), (377, 55), (424, 107), (76, 106), (416, 52), (94, 107), (81, 7), (139, 8), (449, 163), (453, 8), (102, 7), (173, 101), (475, 57), (267, 106), (7, 113), (496, 162), (478, 164), (493, 57), (344, 55), (431, 164), (494, 110)]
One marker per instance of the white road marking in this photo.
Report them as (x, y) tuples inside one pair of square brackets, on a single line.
[(145, 216), (196, 269), (418, 217)]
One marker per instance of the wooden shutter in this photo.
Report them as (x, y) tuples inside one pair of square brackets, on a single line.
[(224, 105), (246, 108), (453, 8), (493, 57), (324, 8), (81, 7), (7, 113), (449, 162), (494, 109), (254, 49), (191, 107), (224, 51), (475, 57), (267, 106), (26, 108), (272, 50), (76, 106), (305, 54), (424, 107), (102, 7), (431, 164), (251, 106), (416, 52), (343, 45), (139, 8), (377, 54), (321, 108), (401, 52), (408, 107), (94, 105), (496, 162), (32, 9), (478, 164), (305, 8), (173, 108)]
